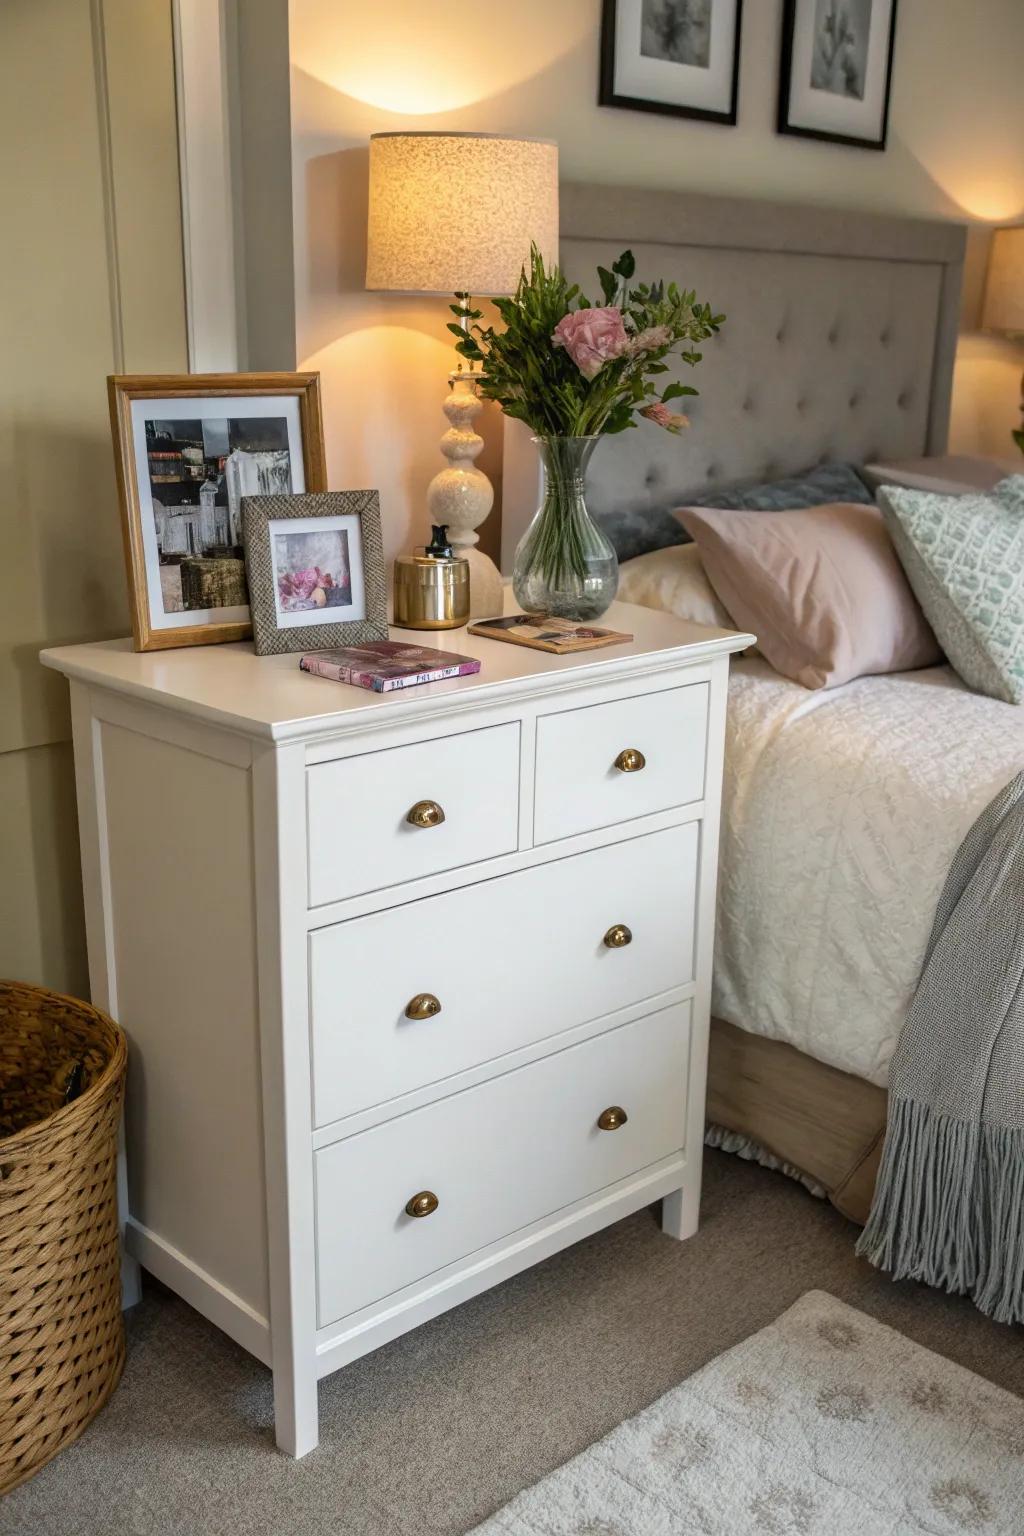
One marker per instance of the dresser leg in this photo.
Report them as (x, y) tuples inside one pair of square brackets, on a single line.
[(679, 1212), (296, 1419)]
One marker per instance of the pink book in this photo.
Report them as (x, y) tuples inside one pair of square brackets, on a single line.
[(385, 665)]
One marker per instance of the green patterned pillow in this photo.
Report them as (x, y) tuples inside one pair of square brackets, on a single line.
[(964, 558)]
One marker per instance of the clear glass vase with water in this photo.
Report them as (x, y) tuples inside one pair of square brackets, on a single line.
[(565, 565)]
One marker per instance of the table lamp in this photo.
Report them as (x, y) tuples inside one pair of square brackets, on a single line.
[(456, 213), (1004, 293)]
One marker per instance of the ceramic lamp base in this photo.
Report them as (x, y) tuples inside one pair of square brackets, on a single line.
[(486, 589)]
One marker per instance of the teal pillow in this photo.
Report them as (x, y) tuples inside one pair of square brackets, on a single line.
[(964, 558), (1011, 491)]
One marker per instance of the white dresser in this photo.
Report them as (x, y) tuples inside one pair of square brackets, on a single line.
[(416, 986)]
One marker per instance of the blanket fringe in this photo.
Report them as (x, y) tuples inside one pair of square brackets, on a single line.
[(949, 1208)]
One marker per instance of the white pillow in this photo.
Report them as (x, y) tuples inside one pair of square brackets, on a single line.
[(951, 474), (673, 580)]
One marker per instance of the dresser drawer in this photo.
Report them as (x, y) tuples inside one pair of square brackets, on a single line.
[(496, 1157), (363, 832), (510, 961), (611, 762)]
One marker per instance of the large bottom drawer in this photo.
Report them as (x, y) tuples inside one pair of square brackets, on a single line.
[(495, 1158)]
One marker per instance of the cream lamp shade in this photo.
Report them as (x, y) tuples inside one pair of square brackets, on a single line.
[(457, 212), (1004, 291)]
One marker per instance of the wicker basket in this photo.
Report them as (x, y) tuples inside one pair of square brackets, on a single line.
[(61, 1328)]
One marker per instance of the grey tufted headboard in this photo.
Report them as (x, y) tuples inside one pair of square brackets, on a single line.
[(839, 341)]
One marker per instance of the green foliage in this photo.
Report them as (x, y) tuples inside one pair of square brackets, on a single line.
[(538, 383)]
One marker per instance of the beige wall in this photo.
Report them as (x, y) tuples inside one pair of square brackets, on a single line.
[(531, 68), (90, 284)]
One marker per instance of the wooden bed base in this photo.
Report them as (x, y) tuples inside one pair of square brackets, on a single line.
[(825, 1122)]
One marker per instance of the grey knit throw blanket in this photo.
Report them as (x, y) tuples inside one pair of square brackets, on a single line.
[(949, 1202)]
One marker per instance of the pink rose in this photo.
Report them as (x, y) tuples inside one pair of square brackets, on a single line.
[(592, 337), (303, 582), (659, 413)]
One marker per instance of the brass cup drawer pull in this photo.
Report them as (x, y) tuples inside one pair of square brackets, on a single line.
[(630, 760), (423, 1006), (425, 813), (423, 1204), (618, 936), (612, 1118)]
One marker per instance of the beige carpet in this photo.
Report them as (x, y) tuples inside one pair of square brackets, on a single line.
[(438, 1430), (825, 1421)]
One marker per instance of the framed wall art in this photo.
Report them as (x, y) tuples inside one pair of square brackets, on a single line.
[(188, 448), (316, 570), (680, 57), (836, 72)]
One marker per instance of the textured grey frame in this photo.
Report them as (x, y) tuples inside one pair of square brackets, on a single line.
[(258, 512), (839, 342)]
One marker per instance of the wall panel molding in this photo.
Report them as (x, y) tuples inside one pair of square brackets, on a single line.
[(202, 62)]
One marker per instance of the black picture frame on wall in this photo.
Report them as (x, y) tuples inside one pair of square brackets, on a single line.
[(835, 71), (651, 60)]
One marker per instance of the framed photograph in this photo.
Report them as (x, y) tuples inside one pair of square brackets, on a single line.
[(316, 570), (681, 57), (188, 448), (836, 71)]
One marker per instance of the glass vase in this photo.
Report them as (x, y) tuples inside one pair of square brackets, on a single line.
[(564, 565)]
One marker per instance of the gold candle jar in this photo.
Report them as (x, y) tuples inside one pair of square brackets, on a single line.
[(432, 587)]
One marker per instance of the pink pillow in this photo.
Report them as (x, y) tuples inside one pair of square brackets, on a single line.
[(820, 587)]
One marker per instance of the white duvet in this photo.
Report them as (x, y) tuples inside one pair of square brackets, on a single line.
[(842, 811)]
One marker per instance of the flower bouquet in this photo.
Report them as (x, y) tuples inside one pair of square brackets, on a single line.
[(575, 372)]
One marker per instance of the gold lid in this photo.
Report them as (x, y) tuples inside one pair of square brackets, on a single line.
[(427, 571)]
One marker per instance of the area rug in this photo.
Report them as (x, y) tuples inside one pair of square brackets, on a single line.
[(826, 1423)]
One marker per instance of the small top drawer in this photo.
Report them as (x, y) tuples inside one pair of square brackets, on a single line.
[(386, 817), (611, 762)]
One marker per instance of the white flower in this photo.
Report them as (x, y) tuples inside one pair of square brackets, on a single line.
[(650, 340)]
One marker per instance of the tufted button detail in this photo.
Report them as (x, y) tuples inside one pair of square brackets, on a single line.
[(904, 398), (712, 472), (854, 401), (885, 337), (833, 336), (801, 404), (780, 334)]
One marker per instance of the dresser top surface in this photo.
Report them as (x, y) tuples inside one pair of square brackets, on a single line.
[(269, 697)]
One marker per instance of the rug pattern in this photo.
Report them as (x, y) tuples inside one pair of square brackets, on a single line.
[(826, 1423)]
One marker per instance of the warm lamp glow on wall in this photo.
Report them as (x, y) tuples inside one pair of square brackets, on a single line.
[(1004, 293), (456, 213)]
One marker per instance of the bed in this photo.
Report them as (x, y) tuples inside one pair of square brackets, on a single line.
[(843, 807), (842, 811)]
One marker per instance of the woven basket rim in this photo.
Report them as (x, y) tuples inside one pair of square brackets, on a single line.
[(84, 1104)]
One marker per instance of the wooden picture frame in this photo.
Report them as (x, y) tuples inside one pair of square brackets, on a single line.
[(656, 76), (270, 428), (316, 571), (843, 98)]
